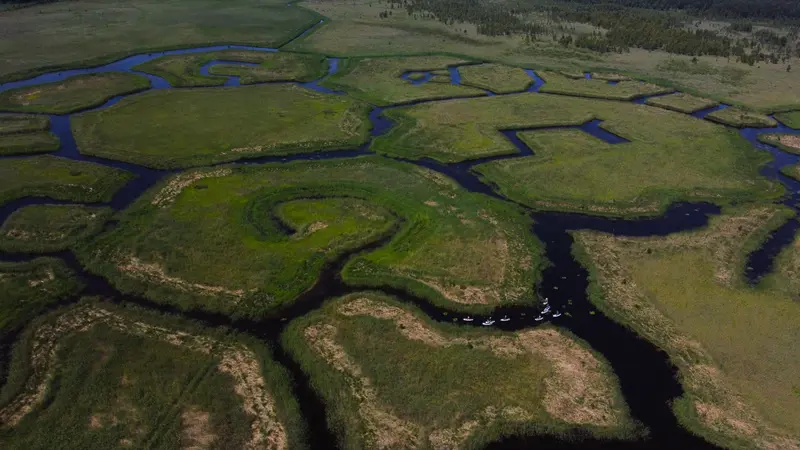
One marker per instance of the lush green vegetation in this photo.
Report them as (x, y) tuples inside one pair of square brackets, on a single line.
[(181, 128), (248, 240), (608, 76), (741, 379), (790, 119), (377, 80), (351, 348), (60, 179), (17, 123), (681, 102), (277, 67), (556, 83), (73, 94), (81, 32), (22, 143), (184, 70), (125, 378), (50, 228), (792, 171), (495, 77), (670, 158), (786, 142), (740, 118)]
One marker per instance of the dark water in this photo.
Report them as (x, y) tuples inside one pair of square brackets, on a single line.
[(647, 378)]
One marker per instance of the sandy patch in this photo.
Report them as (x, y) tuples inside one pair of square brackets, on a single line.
[(178, 183), (790, 141), (46, 277), (154, 273), (197, 433)]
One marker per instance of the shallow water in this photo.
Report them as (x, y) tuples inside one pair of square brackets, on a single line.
[(647, 378)]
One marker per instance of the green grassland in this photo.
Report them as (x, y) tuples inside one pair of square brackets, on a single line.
[(438, 397), (556, 83), (790, 119), (60, 179), (740, 118), (18, 123), (121, 377), (607, 76), (681, 102), (88, 32), (248, 240), (24, 143), (377, 80), (741, 379), (182, 128), (786, 142), (670, 158), (50, 228), (495, 77), (792, 171), (277, 67), (73, 94)]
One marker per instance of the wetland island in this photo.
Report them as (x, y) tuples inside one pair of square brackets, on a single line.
[(399, 224)]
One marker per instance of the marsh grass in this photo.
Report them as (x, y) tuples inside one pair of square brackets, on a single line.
[(115, 388), (26, 143), (377, 80), (18, 123), (786, 142), (60, 179), (73, 94), (681, 102), (556, 83), (50, 228), (495, 77), (439, 385), (740, 118), (790, 119), (281, 66), (740, 378), (184, 128), (609, 76), (792, 171)]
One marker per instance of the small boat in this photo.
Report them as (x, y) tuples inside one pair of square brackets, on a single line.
[(546, 309), (505, 319), (488, 322), (557, 314), (539, 318), (468, 319)]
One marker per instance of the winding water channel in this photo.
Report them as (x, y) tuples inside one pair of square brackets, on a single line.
[(647, 378)]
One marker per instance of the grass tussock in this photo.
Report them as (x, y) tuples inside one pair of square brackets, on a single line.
[(184, 128), (740, 118), (544, 381), (377, 80), (73, 94), (50, 228), (682, 102), (60, 179), (740, 378)]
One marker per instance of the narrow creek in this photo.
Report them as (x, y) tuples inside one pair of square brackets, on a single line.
[(647, 377)]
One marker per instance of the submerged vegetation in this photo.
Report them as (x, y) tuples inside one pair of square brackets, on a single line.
[(543, 381), (184, 128)]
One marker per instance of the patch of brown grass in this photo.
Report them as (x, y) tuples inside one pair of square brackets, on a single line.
[(178, 183), (197, 433), (154, 273)]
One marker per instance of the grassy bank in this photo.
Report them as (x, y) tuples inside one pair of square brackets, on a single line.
[(740, 118), (60, 179), (377, 80), (73, 94), (786, 142), (248, 240), (556, 83), (439, 397), (19, 144), (81, 32), (682, 102), (183, 128), (50, 228), (99, 376), (495, 77), (790, 119), (740, 379)]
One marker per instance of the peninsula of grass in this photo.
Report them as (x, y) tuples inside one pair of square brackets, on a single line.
[(183, 128), (50, 228), (681, 102), (248, 240), (497, 78), (19, 123), (277, 67), (608, 76), (73, 94), (543, 381), (787, 142), (740, 379), (377, 80), (740, 118), (790, 119), (556, 83), (60, 179), (26, 143), (123, 377)]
